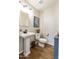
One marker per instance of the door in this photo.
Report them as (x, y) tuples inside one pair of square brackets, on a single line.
[(56, 47)]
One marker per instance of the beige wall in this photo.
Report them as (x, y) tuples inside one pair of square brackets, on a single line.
[(49, 19), (36, 13)]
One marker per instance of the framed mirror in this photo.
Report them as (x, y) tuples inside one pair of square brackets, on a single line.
[(36, 21)]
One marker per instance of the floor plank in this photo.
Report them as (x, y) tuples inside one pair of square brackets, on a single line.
[(40, 53)]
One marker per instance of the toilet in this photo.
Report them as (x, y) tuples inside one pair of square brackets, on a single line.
[(41, 41)]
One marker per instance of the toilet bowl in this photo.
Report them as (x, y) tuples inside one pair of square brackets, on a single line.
[(41, 41)]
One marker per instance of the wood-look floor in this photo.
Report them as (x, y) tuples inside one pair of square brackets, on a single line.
[(40, 53)]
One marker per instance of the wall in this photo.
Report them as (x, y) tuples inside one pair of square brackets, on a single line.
[(49, 19)]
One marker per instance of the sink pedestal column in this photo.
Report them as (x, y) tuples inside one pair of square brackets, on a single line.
[(27, 46)]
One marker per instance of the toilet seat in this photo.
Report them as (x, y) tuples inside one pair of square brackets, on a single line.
[(42, 40)]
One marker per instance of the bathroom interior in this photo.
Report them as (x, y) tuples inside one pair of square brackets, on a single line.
[(38, 26)]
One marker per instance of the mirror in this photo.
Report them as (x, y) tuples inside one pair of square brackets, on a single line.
[(36, 21), (24, 19)]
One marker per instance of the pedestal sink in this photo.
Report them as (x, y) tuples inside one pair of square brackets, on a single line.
[(27, 41)]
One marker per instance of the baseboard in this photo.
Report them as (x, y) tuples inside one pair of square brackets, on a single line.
[(26, 54), (20, 51)]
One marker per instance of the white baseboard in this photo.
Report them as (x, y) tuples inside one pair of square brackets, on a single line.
[(26, 54), (20, 51)]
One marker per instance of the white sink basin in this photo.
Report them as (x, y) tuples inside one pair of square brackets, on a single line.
[(24, 35)]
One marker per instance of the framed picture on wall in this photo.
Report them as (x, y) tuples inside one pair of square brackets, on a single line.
[(36, 21)]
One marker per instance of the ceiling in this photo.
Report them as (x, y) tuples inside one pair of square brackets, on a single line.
[(41, 4)]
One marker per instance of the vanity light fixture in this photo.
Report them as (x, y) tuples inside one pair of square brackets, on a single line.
[(40, 1), (19, 1), (23, 4)]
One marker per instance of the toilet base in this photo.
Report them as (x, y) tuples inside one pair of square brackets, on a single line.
[(41, 45)]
